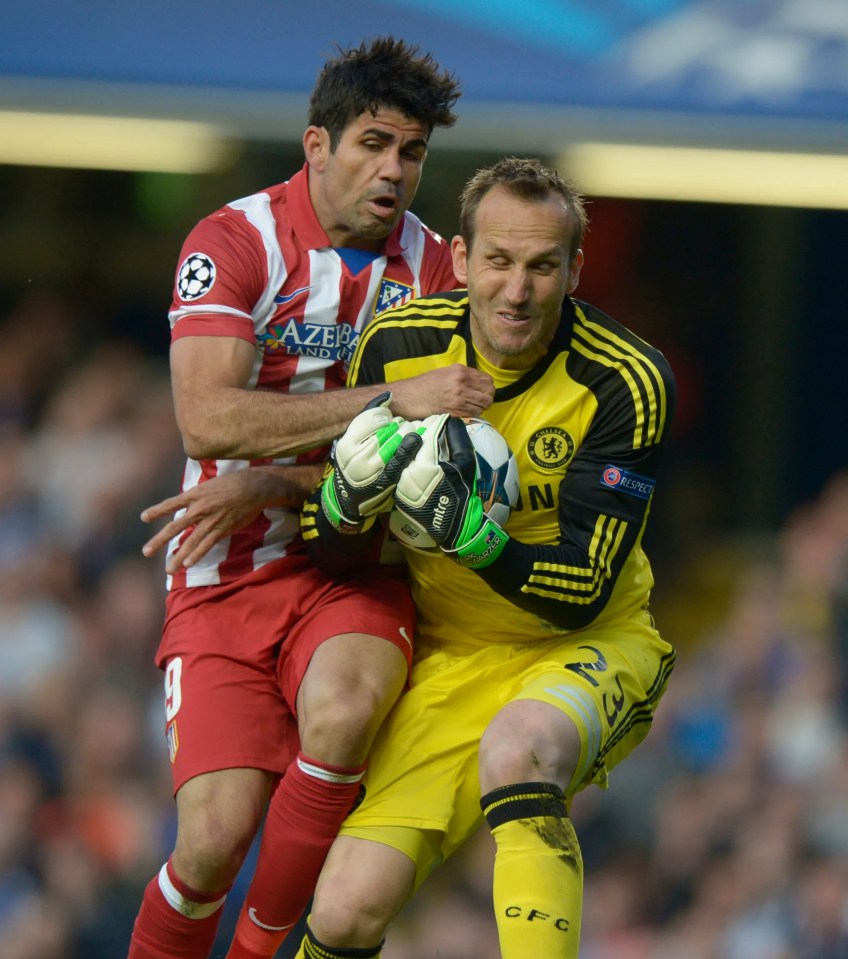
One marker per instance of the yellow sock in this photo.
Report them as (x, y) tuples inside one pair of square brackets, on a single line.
[(538, 881)]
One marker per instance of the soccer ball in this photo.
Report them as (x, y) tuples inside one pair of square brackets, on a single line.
[(497, 485)]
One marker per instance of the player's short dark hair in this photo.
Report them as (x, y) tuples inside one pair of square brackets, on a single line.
[(385, 72), (529, 179)]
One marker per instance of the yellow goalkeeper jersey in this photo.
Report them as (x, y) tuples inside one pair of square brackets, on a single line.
[(587, 425)]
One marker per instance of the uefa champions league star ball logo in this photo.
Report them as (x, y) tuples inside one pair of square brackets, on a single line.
[(196, 276)]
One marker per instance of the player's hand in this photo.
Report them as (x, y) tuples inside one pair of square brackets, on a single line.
[(439, 491), (457, 389), (218, 507), (367, 461)]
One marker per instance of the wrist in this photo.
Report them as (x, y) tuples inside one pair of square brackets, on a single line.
[(483, 548), (284, 486), (332, 510)]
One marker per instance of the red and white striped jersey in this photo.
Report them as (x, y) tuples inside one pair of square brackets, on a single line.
[(262, 269)]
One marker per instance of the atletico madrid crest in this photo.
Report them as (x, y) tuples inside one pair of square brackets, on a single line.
[(392, 294), (173, 740)]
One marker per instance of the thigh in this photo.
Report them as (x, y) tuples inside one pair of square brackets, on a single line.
[(423, 769), (422, 777), (350, 684), (376, 604), (608, 680), (219, 651), (221, 714)]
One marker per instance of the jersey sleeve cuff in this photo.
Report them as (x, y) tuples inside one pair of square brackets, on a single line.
[(511, 570), (216, 325)]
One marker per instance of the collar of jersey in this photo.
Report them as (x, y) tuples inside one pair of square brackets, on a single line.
[(304, 221), (502, 377), (559, 345)]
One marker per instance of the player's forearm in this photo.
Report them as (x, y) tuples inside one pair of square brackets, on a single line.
[(289, 486), (511, 576), (243, 424), (204, 514), (331, 550)]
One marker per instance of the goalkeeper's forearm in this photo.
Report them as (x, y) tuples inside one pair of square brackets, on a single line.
[(331, 550), (511, 575)]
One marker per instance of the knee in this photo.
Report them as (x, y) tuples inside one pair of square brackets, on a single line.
[(340, 725), (211, 847), (343, 916), (528, 741), (504, 760), (350, 684)]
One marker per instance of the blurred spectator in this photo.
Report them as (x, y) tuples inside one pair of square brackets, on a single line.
[(84, 807), (36, 344), (726, 838)]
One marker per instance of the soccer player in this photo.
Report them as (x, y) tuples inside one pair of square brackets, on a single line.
[(537, 665), (276, 675)]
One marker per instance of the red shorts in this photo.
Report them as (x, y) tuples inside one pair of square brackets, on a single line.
[(234, 656)]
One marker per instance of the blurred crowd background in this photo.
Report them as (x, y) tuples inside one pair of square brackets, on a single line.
[(725, 835)]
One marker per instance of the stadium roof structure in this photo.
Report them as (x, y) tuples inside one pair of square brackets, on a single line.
[(533, 71), (539, 76)]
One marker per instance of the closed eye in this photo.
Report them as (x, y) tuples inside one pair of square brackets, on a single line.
[(416, 155)]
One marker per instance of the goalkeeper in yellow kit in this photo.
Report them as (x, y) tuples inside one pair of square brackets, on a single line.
[(537, 665)]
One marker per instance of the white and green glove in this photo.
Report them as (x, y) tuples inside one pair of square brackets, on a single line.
[(367, 461), (438, 490)]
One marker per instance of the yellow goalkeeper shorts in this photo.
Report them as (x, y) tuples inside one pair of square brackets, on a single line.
[(422, 791)]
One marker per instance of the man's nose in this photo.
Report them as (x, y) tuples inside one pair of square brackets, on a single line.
[(518, 286), (391, 168)]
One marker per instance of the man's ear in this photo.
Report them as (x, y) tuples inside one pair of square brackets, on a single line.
[(316, 147), (459, 254), (574, 269)]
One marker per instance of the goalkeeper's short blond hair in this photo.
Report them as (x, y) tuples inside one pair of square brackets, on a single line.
[(530, 179)]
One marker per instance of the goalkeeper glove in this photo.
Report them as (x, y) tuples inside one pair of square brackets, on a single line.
[(438, 490), (366, 463)]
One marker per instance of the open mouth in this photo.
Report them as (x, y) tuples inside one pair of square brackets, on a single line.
[(384, 204)]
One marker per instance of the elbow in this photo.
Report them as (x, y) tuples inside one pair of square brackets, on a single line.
[(201, 441), (197, 437), (573, 617), (194, 451), (200, 448), (205, 430), (565, 616)]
